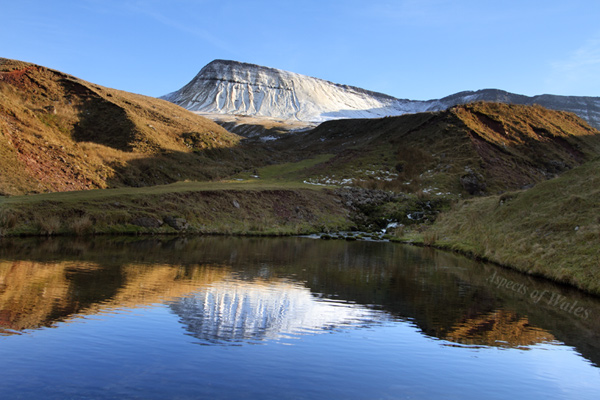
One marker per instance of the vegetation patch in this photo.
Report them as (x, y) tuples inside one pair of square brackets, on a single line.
[(207, 209)]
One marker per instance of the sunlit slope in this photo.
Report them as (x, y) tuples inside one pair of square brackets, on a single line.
[(481, 148), (59, 133), (38, 294)]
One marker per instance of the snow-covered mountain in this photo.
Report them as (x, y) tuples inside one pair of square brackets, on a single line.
[(231, 87)]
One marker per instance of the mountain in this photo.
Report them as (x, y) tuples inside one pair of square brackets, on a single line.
[(231, 87), (60, 133)]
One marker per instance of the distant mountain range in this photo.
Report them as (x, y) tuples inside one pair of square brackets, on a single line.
[(231, 87)]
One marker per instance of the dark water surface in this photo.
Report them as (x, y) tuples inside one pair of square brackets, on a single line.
[(291, 318)]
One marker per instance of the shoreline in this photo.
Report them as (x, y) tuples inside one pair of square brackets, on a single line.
[(354, 236), (489, 229)]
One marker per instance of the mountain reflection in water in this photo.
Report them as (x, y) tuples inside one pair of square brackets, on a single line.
[(233, 290), (234, 310)]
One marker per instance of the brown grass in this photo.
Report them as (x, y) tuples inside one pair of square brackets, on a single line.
[(81, 225), (60, 133), (48, 225)]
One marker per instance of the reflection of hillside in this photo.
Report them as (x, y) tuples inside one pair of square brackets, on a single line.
[(150, 284), (235, 310), (30, 292), (500, 328), (34, 294)]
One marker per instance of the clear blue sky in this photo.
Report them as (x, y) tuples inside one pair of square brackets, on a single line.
[(416, 49)]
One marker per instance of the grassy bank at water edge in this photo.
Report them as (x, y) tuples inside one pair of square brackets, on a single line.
[(188, 207), (552, 230)]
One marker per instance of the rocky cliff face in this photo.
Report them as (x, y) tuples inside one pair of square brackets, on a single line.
[(230, 87)]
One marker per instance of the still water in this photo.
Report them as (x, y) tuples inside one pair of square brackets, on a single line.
[(290, 318)]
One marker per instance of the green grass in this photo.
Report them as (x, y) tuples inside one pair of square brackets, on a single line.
[(178, 187), (552, 230), (276, 204), (243, 208), (292, 171)]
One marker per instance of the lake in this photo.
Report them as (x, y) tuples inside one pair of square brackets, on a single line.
[(284, 318)]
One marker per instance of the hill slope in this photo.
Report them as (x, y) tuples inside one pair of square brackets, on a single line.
[(231, 87), (478, 148), (587, 108), (58, 133), (551, 230)]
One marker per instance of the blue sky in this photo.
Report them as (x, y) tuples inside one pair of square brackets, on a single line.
[(416, 49)]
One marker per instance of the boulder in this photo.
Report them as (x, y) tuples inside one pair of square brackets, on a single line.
[(473, 183), (147, 222), (178, 224)]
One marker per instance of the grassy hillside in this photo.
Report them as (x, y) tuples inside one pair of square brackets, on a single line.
[(61, 133), (551, 230), (480, 148)]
